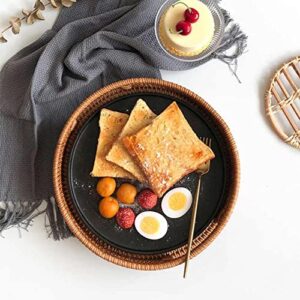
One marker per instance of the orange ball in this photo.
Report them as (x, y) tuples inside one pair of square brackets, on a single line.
[(108, 207), (106, 186), (126, 193)]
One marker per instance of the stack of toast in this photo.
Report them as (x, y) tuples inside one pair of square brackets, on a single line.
[(156, 150)]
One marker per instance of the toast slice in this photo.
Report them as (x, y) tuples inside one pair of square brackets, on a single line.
[(111, 124), (140, 116), (167, 149)]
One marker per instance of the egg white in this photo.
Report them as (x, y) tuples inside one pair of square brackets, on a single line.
[(163, 225), (174, 214)]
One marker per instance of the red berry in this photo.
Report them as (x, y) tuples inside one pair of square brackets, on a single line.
[(125, 218), (184, 27), (191, 15), (147, 199)]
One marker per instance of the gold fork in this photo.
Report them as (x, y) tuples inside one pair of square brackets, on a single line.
[(203, 169)]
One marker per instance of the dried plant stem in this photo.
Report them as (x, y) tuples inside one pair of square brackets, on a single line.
[(33, 15), (22, 19)]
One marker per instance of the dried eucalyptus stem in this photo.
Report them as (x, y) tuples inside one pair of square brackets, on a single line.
[(31, 16)]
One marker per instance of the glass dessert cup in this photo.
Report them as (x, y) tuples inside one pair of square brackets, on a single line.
[(219, 28)]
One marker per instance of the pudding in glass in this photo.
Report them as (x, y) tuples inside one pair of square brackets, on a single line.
[(187, 28)]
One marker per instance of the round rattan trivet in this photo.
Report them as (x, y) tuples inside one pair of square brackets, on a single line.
[(283, 102), (64, 200)]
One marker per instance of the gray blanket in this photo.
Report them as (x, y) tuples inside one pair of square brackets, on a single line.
[(92, 44)]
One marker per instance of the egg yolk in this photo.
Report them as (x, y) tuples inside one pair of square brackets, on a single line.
[(150, 225), (177, 201)]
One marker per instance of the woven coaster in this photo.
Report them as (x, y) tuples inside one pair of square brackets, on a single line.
[(283, 102)]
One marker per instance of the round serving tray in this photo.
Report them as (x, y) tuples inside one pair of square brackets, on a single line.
[(65, 199)]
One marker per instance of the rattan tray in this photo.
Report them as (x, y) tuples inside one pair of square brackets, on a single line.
[(66, 205), (283, 102)]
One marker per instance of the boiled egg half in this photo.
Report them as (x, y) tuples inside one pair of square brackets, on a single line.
[(151, 225), (177, 202)]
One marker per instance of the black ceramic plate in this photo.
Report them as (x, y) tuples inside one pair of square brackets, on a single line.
[(83, 186)]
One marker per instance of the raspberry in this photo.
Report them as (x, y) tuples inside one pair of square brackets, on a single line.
[(147, 199), (125, 218)]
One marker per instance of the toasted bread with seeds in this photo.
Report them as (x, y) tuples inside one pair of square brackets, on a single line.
[(167, 149), (111, 124), (140, 116)]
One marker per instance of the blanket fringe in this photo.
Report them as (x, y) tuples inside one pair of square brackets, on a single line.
[(17, 214), (21, 215), (233, 45), (54, 222)]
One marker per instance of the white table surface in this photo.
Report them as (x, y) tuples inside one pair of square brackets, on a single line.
[(257, 256)]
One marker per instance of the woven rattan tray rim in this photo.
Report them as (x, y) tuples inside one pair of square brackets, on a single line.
[(121, 257)]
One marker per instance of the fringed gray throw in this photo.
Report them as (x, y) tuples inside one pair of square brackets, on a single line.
[(92, 44)]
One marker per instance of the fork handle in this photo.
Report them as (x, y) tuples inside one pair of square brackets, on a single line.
[(192, 226)]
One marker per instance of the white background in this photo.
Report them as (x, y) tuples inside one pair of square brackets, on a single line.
[(257, 256)]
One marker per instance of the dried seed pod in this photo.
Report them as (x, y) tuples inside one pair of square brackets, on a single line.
[(54, 3), (25, 12), (2, 39), (38, 15), (67, 3), (15, 23), (39, 5), (30, 19)]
